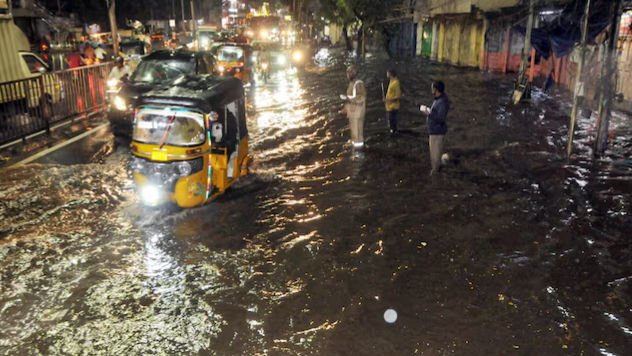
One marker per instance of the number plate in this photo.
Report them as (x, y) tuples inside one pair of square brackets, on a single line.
[(159, 155)]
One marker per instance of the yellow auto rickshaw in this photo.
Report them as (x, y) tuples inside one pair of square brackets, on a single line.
[(234, 60), (190, 141)]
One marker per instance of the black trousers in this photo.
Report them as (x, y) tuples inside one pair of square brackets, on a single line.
[(392, 119)]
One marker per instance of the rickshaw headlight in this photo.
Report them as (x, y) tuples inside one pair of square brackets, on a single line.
[(150, 194), (112, 83), (184, 168), (119, 103)]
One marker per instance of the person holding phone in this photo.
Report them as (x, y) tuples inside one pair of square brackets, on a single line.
[(437, 125), (355, 106)]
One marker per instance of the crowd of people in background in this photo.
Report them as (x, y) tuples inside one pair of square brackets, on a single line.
[(86, 53)]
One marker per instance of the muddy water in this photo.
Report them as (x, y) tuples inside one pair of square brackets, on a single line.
[(512, 249)]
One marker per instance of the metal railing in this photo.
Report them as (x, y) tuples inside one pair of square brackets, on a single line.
[(33, 105)]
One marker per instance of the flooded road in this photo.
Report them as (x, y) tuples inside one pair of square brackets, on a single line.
[(512, 249)]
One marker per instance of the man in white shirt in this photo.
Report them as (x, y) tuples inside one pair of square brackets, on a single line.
[(120, 70), (100, 53)]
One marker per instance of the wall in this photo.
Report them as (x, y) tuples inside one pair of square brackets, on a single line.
[(460, 41), (625, 59), (334, 31), (440, 7)]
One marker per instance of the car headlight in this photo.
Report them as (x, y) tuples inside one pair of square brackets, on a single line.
[(282, 60), (297, 56), (112, 83), (150, 195), (221, 69), (119, 103), (264, 34), (184, 168), (249, 33)]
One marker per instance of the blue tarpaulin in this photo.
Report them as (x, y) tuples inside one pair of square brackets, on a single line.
[(562, 34)]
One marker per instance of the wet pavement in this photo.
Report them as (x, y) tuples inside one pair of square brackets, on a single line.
[(512, 249)]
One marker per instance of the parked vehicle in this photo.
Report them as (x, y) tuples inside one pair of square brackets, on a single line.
[(25, 78)]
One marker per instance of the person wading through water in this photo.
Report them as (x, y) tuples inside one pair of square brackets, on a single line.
[(355, 106), (437, 126), (393, 95)]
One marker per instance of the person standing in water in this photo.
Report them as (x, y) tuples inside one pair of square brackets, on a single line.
[(437, 125), (393, 94), (355, 106)]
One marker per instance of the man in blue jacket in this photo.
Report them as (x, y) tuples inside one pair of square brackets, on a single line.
[(437, 126)]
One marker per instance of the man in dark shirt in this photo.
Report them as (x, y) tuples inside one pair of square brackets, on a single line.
[(437, 126)]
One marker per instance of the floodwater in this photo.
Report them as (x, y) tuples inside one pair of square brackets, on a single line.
[(512, 249)]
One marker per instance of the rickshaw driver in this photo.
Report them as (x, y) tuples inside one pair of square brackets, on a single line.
[(187, 130)]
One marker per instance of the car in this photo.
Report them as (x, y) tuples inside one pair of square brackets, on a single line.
[(157, 69), (27, 93)]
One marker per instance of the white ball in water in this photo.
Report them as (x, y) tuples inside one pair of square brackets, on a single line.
[(445, 158), (390, 316)]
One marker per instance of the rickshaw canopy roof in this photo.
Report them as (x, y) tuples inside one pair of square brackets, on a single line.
[(204, 93)]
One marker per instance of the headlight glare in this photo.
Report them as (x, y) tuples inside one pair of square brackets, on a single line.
[(297, 56), (150, 195), (119, 103)]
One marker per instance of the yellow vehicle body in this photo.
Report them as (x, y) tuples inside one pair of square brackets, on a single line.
[(187, 149), (234, 60), (239, 70), (191, 191)]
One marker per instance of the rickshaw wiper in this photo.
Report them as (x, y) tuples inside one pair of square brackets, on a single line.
[(169, 124)]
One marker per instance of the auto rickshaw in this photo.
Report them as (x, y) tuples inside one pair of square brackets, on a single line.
[(190, 141), (234, 60)]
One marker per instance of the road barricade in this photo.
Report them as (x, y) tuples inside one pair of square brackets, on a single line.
[(34, 105)]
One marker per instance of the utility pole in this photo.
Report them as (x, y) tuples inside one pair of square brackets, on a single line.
[(111, 5), (579, 83), (523, 87), (182, 10), (608, 82), (193, 23)]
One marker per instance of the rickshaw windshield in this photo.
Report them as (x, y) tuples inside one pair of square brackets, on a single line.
[(175, 128), (230, 54)]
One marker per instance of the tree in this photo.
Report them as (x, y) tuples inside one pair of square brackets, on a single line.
[(339, 11), (111, 5), (370, 13)]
